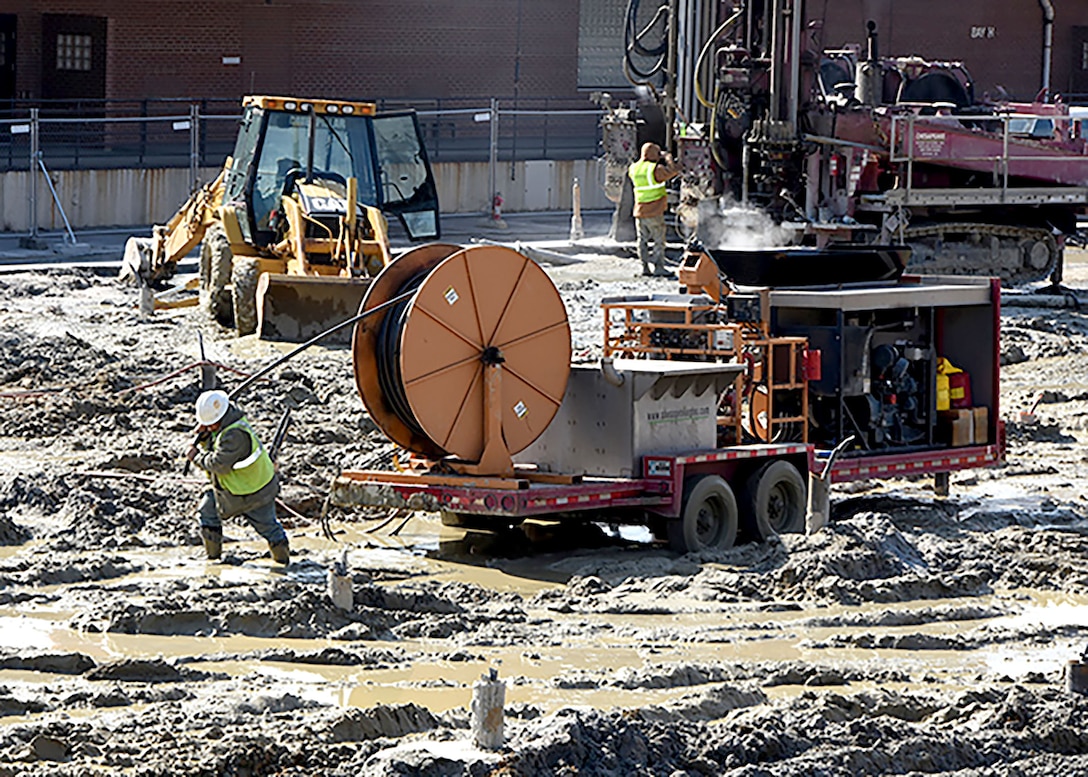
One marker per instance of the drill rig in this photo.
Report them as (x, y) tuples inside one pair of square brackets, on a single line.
[(846, 145)]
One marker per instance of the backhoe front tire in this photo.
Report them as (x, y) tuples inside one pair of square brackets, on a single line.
[(216, 261), (243, 294)]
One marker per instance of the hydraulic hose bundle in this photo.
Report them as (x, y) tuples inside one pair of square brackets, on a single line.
[(634, 47)]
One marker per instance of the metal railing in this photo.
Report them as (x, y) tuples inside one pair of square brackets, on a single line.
[(943, 138), (201, 133)]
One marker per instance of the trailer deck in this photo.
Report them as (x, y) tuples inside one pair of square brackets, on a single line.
[(530, 493)]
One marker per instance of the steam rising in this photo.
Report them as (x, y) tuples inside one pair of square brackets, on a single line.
[(723, 224)]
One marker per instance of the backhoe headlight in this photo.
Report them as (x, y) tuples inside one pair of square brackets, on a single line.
[(332, 108), (349, 109), (290, 105)]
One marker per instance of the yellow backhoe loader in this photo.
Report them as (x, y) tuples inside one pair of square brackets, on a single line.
[(294, 227)]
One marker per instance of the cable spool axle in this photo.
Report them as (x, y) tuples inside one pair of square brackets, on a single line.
[(473, 367)]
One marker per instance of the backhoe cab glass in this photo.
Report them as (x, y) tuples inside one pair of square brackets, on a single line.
[(407, 183), (273, 146), (341, 150)]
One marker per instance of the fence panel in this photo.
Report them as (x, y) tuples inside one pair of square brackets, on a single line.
[(156, 133)]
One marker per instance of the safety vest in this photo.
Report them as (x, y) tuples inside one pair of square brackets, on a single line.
[(252, 473), (647, 188)]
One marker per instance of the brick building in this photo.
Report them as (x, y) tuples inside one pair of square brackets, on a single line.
[(1001, 43), (125, 49)]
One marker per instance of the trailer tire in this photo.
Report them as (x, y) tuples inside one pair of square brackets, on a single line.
[(708, 519), (216, 261), (776, 496), (243, 294)]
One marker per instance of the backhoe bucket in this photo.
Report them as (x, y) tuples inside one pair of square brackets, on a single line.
[(295, 308)]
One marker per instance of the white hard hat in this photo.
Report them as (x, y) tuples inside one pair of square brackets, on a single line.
[(211, 406)]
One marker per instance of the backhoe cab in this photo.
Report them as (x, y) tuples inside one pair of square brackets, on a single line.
[(294, 226)]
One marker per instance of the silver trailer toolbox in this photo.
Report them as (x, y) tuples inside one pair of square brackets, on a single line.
[(658, 407)]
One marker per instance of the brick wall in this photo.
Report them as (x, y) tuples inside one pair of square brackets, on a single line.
[(468, 48), (1001, 43), (170, 48)]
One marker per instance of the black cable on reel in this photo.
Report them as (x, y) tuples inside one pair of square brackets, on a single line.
[(387, 356)]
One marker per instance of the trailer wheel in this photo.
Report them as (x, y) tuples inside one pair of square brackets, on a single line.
[(243, 295), (709, 517), (216, 260), (776, 493)]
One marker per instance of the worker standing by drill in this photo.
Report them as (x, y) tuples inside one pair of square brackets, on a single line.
[(648, 174), (243, 478)]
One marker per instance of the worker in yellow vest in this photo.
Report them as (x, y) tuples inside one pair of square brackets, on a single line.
[(648, 175), (243, 477)]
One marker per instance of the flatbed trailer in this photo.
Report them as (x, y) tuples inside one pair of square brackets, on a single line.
[(667, 496), (853, 376)]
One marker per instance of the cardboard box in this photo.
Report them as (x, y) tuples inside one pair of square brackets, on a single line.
[(982, 425), (956, 427)]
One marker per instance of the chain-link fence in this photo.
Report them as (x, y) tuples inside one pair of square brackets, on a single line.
[(200, 133)]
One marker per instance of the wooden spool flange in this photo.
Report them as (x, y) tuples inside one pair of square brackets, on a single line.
[(484, 317)]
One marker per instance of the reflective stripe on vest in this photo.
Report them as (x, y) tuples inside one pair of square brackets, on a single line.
[(647, 189), (252, 473)]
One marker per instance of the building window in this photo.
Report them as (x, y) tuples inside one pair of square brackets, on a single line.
[(1084, 56), (73, 52)]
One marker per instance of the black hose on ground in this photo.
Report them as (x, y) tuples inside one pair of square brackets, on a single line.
[(235, 392)]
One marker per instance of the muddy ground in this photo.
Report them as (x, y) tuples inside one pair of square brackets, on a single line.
[(915, 635)]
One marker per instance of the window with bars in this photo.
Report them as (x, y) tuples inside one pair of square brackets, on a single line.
[(73, 52)]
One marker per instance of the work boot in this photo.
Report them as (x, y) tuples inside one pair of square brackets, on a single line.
[(281, 552), (646, 270), (213, 541)]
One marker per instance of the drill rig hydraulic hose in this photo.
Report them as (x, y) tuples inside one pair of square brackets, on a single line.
[(633, 45)]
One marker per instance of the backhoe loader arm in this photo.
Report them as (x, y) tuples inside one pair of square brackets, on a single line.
[(150, 260)]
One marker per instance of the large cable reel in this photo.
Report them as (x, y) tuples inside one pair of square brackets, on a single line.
[(475, 360)]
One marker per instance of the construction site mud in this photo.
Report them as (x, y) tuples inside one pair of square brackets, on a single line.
[(915, 634)]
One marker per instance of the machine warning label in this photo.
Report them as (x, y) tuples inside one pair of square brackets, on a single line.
[(929, 143), (451, 295), (678, 416), (520, 410)]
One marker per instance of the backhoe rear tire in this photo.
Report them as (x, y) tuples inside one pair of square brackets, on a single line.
[(216, 261), (243, 294)]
